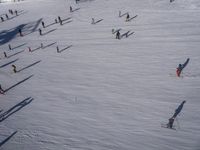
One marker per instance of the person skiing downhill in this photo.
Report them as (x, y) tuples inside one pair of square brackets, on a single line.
[(118, 35), (1, 90), (170, 123), (181, 67), (127, 17), (14, 68)]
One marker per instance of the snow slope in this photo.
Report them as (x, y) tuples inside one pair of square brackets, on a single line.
[(101, 93)]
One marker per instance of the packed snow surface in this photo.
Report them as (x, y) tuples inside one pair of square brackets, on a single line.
[(98, 92)]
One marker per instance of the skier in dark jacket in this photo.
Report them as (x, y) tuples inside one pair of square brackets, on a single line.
[(2, 20), (118, 35), (20, 32), (171, 122), (14, 69), (127, 17), (40, 31), (43, 25), (1, 90)]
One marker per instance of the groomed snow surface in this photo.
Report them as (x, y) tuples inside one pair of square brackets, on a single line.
[(98, 92)]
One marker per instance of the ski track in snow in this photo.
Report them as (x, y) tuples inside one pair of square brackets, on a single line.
[(100, 93)]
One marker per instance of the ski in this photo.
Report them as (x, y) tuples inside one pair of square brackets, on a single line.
[(132, 18)]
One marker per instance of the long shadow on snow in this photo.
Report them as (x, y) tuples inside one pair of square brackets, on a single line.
[(48, 32), (4, 65), (67, 22), (49, 45), (8, 35), (18, 83), (15, 108), (15, 54), (65, 49), (18, 46), (7, 139), (29, 66)]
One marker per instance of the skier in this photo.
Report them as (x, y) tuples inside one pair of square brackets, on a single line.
[(170, 123), (16, 13), (10, 11), (70, 8), (118, 35), (1, 90), (7, 16), (9, 46), (29, 49), (43, 24), (40, 31), (127, 17), (14, 68), (56, 21), (57, 48), (178, 110), (41, 45), (20, 32), (59, 19), (5, 55), (180, 67), (2, 20)]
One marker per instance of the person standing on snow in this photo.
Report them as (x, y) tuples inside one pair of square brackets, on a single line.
[(171, 122), (180, 67), (127, 17), (1, 90), (118, 35)]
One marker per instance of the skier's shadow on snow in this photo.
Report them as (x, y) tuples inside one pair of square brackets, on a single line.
[(15, 54), (43, 47), (67, 22), (4, 65), (7, 35), (76, 9), (18, 83), (66, 19), (18, 46), (7, 139), (48, 32), (127, 34), (50, 24), (36, 49), (48, 45), (15, 108), (29, 66), (60, 51), (98, 21), (132, 18)]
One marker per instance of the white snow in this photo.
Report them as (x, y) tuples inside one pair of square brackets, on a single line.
[(101, 93)]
